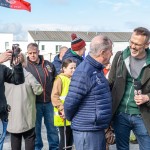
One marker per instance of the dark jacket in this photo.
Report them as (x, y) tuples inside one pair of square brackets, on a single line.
[(117, 79), (45, 74), (7, 75), (57, 63), (71, 54), (88, 103)]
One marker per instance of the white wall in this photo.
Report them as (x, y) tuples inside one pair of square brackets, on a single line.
[(5, 37), (50, 47)]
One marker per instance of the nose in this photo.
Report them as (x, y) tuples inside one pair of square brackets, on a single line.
[(133, 45), (32, 54)]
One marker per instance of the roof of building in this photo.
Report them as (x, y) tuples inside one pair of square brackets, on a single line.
[(65, 36)]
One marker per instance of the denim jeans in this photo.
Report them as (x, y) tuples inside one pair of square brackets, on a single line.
[(123, 124), (46, 110), (89, 140), (3, 135)]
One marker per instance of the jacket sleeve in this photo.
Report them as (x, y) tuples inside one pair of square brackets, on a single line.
[(36, 86), (56, 92), (15, 76), (79, 87)]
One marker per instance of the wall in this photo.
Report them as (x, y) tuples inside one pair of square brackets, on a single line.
[(50, 47), (5, 37)]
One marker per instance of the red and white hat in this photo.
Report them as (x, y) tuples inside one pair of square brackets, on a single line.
[(77, 43)]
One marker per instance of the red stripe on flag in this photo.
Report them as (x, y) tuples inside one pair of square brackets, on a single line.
[(16, 4), (20, 4)]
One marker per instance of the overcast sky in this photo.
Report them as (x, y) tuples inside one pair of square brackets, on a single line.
[(83, 15)]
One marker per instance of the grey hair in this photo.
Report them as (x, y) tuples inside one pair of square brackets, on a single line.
[(143, 31), (99, 43), (32, 45), (62, 47)]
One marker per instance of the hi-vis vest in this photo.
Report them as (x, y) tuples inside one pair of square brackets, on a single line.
[(58, 121)]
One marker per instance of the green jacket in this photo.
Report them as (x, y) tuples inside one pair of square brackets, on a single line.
[(117, 79)]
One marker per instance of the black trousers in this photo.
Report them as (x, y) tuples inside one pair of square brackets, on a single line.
[(69, 138), (29, 137)]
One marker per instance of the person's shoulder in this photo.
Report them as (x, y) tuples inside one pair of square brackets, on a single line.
[(4, 67), (48, 62), (68, 54), (56, 58), (49, 65)]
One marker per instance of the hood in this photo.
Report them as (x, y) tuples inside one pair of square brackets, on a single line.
[(69, 54), (56, 58)]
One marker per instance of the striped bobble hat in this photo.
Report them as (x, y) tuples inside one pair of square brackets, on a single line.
[(77, 43)]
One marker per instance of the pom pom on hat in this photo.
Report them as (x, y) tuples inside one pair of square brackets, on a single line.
[(73, 36), (77, 43)]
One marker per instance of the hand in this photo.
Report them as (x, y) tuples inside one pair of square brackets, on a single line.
[(62, 114), (140, 99), (18, 59), (7, 55)]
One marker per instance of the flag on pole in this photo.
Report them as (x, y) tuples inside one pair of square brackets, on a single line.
[(16, 4)]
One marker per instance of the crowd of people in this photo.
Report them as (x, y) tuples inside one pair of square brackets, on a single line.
[(78, 98)]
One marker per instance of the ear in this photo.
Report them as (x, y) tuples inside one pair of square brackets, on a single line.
[(102, 52)]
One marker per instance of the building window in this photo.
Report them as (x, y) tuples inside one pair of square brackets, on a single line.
[(6, 45), (57, 48), (42, 47)]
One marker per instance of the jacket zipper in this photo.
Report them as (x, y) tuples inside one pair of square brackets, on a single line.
[(129, 97)]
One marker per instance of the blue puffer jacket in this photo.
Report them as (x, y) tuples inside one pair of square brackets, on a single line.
[(70, 54), (57, 63), (88, 103)]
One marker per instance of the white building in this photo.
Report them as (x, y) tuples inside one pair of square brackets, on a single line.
[(6, 40), (50, 41)]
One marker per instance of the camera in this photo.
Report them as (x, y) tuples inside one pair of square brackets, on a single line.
[(16, 50)]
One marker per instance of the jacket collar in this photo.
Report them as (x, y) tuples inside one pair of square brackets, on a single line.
[(94, 63), (145, 77), (127, 53)]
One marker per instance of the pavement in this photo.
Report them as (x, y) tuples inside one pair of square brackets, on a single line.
[(44, 137)]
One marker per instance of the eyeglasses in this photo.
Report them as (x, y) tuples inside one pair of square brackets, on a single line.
[(135, 44)]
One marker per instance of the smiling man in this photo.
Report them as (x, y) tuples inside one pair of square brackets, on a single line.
[(131, 110)]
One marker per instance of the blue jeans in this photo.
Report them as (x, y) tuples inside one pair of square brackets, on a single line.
[(46, 110), (89, 140), (123, 124), (3, 135)]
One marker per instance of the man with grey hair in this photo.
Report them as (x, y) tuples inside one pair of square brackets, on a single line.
[(58, 58), (88, 104)]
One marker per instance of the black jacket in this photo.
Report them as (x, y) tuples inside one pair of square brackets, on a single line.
[(14, 76), (45, 74)]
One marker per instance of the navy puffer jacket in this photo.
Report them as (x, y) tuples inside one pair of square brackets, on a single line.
[(88, 103), (69, 54), (57, 63)]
